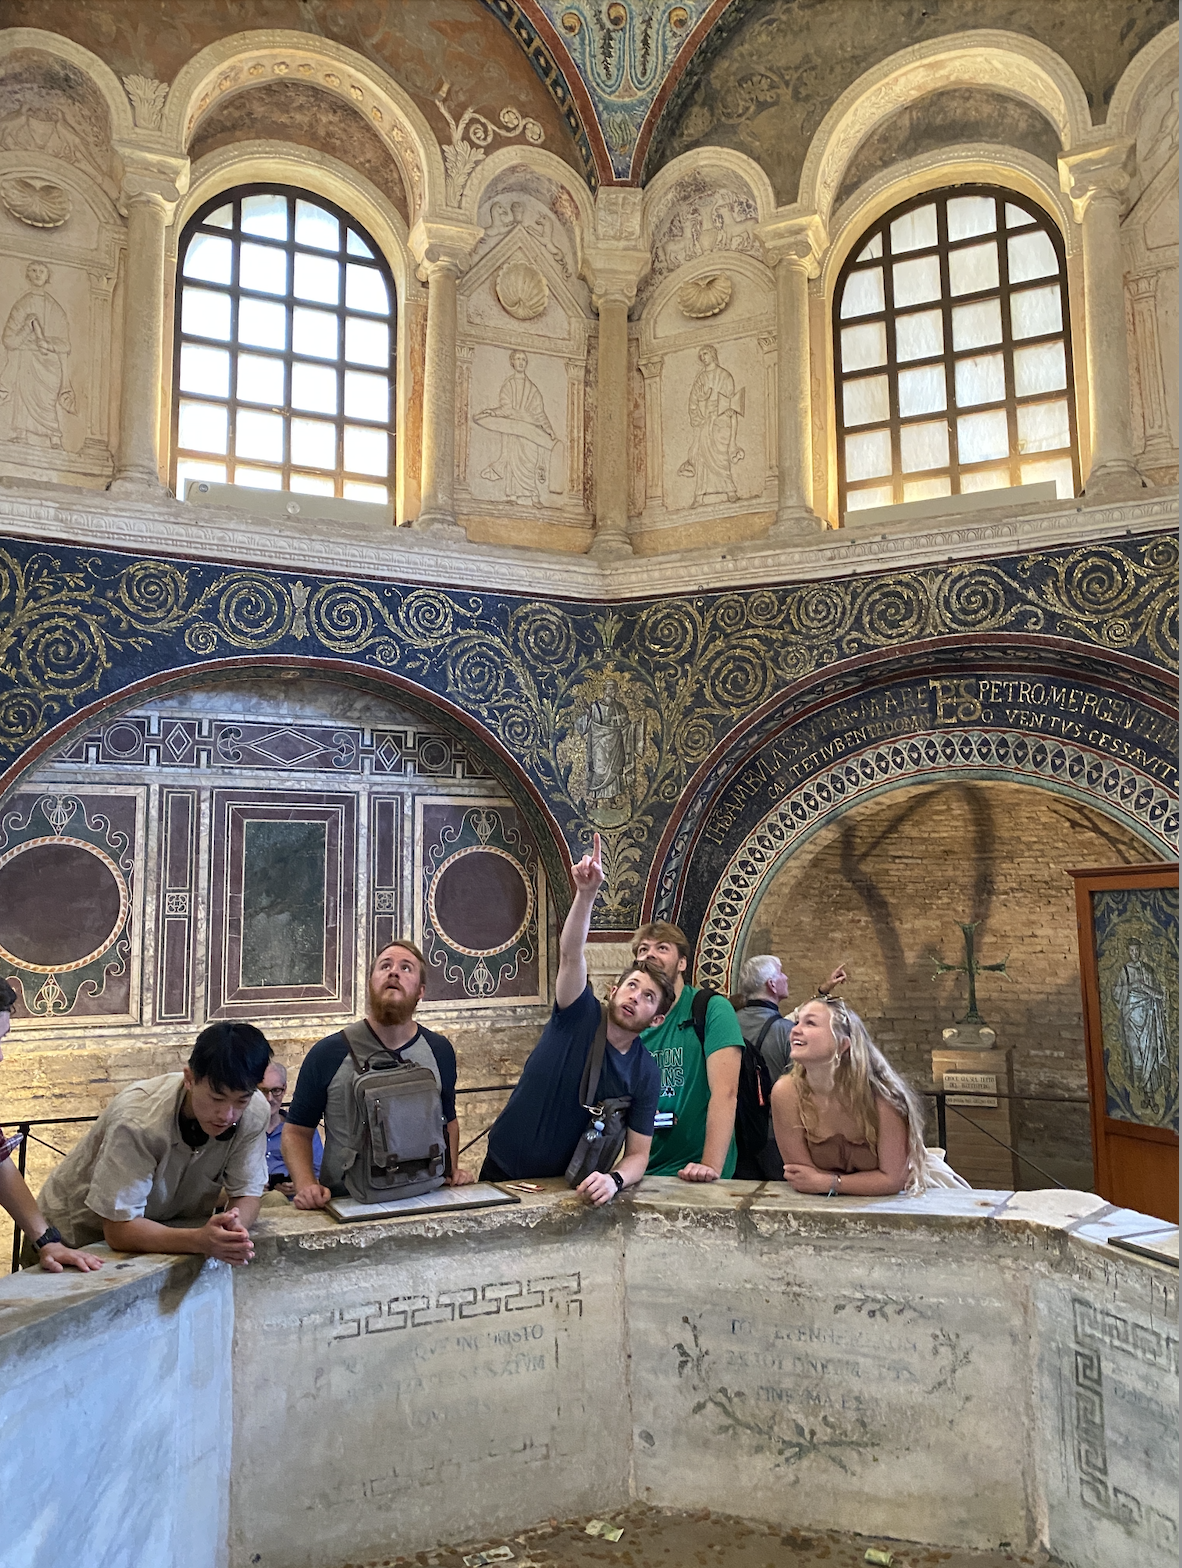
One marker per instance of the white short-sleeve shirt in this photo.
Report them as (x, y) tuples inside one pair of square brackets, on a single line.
[(134, 1164)]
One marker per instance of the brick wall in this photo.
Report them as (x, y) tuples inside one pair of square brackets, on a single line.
[(887, 884)]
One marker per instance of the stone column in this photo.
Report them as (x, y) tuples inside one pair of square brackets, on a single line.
[(794, 248), (1096, 179), (441, 251), (611, 429), (613, 266), (153, 184)]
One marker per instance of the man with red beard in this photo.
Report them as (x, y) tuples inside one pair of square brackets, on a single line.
[(324, 1087), (539, 1129)]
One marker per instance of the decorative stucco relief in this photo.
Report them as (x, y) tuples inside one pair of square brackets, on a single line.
[(521, 198), (524, 325), (55, 363), (39, 203), (51, 109), (702, 216), (710, 394), (1150, 236)]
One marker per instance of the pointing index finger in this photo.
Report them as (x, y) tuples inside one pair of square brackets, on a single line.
[(596, 852)]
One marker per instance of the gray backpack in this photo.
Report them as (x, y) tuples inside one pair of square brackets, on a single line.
[(402, 1144)]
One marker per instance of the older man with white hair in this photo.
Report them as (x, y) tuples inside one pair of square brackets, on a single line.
[(767, 1055)]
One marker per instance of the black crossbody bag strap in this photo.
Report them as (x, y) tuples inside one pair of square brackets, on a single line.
[(593, 1066), (763, 1033)]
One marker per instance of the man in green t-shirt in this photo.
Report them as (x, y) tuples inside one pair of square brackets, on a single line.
[(694, 1137)]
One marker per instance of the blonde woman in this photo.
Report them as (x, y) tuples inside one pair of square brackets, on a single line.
[(845, 1121)]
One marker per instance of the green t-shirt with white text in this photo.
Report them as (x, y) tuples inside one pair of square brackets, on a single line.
[(685, 1089)]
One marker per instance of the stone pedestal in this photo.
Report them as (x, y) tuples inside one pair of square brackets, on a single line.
[(974, 1080)]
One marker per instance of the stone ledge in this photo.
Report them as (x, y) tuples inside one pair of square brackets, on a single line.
[(60, 514), (30, 1299)]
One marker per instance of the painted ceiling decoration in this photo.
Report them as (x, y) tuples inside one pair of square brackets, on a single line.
[(610, 66)]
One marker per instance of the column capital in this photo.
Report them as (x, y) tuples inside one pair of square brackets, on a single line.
[(613, 273), (1099, 170), (616, 259), (799, 240), (158, 179), (442, 244)]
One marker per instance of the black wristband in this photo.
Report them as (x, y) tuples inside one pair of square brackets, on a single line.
[(618, 1179), (52, 1234)]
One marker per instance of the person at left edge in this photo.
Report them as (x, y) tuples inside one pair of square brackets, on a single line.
[(537, 1132), (397, 983), (52, 1252)]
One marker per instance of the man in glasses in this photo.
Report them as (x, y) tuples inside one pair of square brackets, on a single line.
[(274, 1088)]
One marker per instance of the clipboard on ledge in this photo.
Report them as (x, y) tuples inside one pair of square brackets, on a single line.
[(444, 1200)]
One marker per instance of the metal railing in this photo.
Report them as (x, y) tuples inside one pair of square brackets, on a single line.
[(944, 1105), (24, 1130)]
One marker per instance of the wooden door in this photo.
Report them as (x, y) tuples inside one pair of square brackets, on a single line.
[(1128, 966)]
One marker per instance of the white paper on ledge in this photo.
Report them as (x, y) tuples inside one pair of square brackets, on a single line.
[(481, 1195)]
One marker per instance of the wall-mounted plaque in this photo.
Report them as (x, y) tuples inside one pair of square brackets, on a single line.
[(281, 918)]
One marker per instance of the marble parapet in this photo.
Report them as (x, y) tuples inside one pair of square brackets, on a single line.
[(163, 527), (966, 1368)]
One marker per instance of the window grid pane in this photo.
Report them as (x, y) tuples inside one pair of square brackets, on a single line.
[(285, 413), (1024, 318)]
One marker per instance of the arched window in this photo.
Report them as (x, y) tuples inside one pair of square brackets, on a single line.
[(953, 353), (284, 364)]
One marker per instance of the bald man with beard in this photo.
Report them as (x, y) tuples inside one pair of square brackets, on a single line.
[(324, 1088)]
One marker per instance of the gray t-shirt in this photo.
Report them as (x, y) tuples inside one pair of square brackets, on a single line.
[(133, 1164), (775, 1050)]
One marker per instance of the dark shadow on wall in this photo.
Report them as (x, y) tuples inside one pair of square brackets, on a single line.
[(857, 858)]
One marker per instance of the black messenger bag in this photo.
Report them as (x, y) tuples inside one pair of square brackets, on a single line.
[(602, 1144), (401, 1146)]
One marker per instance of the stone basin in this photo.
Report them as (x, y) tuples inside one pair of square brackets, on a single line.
[(964, 1369)]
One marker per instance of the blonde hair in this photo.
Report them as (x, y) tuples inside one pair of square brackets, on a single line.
[(862, 1075)]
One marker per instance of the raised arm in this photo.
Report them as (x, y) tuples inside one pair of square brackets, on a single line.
[(572, 955)]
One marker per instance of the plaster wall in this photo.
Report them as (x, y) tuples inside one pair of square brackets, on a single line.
[(962, 1368), (459, 1380)]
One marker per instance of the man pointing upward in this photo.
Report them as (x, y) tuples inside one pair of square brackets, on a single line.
[(537, 1132)]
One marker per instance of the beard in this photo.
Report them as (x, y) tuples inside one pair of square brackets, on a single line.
[(389, 1008), (630, 1025)]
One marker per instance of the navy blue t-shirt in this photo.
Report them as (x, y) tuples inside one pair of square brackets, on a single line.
[(320, 1067), (536, 1133)]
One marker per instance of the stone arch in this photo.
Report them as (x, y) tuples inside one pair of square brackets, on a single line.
[(687, 179), (720, 160), (233, 64), (1123, 109), (245, 163), (1019, 711), (551, 168), (972, 163), (1007, 62), (122, 123), (737, 894), (552, 845)]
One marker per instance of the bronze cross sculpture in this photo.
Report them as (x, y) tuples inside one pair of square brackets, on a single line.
[(971, 968)]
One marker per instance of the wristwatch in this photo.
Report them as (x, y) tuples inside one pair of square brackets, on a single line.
[(618, 1179), (52, 1234)]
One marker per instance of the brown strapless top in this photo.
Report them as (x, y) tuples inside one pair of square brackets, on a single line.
[(839, 1154)]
